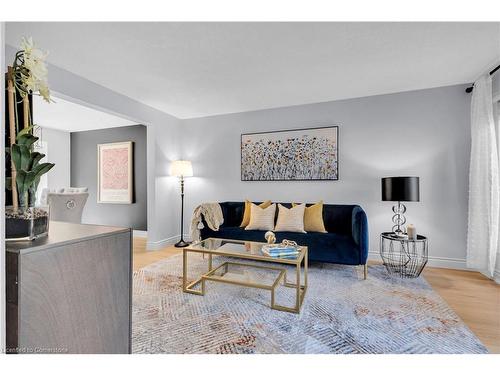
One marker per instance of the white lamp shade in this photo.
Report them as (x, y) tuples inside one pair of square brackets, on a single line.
[(181, 168)]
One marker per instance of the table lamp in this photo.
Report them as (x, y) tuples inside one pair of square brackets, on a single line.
[(181, 169), (400, 189)]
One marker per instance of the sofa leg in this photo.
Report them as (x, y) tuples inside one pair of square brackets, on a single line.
[(365, 271)]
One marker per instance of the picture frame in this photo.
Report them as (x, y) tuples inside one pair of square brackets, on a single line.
[(115, 173), (307, 154)]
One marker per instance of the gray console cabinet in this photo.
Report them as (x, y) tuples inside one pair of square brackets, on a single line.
[(71, 291)]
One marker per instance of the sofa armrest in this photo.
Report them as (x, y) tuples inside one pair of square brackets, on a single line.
[(203, 221), (360, 232), (205, 228), (206, 232)]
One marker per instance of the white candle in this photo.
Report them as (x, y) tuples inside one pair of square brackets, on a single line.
[(411, 231)]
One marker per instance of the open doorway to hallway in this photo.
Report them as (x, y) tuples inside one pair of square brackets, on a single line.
[(69, 136)]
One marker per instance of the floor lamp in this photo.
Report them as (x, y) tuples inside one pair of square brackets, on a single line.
[(182, 169)]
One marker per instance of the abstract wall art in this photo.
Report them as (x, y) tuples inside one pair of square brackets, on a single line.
[(290, 155), (115, 173)]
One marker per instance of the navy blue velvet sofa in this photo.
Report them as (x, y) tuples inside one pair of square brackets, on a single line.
[(346, 241)]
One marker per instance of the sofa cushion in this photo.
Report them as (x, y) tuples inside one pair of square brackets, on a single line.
[(248, 210), (237, 233), (338, 218), (261, 218), (232, 212), (313, 218), (290, 219)]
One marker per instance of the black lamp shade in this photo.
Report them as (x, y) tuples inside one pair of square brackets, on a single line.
[(400, 189)]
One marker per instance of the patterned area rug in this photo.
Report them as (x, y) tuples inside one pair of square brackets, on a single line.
[(341, 313)]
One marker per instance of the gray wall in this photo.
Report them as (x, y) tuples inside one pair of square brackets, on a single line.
[(59, 153), (163, 145), (84, 173), (423, 133)]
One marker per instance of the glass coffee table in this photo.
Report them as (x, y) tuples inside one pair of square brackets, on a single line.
[(273, 267)]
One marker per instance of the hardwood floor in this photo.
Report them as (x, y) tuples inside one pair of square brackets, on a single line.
[(143, 257), (472, 296), (475, 299)]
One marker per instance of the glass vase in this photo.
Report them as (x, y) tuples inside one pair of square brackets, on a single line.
[(26, 223)]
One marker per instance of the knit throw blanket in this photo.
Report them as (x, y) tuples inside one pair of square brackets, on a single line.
[(212, 213)]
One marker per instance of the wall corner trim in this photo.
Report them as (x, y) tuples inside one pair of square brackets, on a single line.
[(140, 233), (496, 276)]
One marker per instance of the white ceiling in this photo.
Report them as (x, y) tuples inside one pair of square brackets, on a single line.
[(71, 117), (200, 69)]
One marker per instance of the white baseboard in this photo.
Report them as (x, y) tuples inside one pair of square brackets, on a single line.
[(157, 245), (140, 233), (440, 262)]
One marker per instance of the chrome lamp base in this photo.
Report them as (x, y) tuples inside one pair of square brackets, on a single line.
[(399, 219)]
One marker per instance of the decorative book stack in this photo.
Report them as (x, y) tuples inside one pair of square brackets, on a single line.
[(280, 251)]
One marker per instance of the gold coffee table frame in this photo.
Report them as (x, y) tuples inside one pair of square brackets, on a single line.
[(210, 275)]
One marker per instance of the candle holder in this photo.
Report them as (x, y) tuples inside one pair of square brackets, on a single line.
[(411, 232)]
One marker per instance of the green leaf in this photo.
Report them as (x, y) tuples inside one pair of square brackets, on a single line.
[(41, 169), (35, 159), (24, 180), (36, 182), (25, 131), (26, 139), (32, 195), (21, 156)]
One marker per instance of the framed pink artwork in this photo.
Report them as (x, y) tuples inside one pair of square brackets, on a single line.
[(115, 173)]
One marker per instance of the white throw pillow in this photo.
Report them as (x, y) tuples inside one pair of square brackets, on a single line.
[(261, 218), (290, 219)]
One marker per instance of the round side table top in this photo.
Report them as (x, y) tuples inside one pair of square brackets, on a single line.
[(393, 237)]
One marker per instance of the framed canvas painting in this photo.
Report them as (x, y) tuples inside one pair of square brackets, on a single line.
[(115, 173), (290, 155)]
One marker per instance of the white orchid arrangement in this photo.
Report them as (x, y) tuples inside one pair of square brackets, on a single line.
[(30, 71), (27, 76)]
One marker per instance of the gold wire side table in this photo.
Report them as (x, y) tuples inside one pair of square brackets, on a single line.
[(247, 250), (402, 256)]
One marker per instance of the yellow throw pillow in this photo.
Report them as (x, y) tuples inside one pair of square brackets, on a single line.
[(246, 214), (313, 218)]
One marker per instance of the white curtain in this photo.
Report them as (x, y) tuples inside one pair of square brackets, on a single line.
[(484, 181), (496, 114)]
